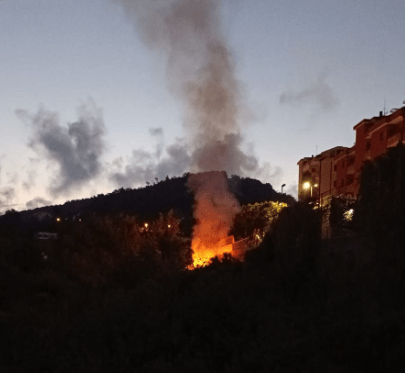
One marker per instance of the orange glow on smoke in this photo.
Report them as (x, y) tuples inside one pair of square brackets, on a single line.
[(215, 208)]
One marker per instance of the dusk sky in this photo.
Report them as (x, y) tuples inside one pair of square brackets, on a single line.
[(87, 107)]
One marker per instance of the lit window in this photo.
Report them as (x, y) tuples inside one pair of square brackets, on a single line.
[(348, 215)]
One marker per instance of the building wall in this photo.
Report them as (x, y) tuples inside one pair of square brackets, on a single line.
[(337, 170), (327, 175)]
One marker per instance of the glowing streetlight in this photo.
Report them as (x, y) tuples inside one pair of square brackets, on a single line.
[(307, 185)]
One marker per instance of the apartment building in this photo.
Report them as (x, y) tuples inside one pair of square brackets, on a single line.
[(337, 171)]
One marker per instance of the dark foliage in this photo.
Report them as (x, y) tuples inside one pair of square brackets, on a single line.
[(258, 216), (115, 297), (380, 213), (147, 203), (227, 317)]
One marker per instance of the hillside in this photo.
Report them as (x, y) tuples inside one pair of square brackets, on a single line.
[(146, 203)]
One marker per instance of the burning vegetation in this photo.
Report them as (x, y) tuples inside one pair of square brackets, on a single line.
[(219, 218), (215, 208)]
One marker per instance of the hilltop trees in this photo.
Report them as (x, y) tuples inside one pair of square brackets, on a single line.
[(255, 216), (125, 248)]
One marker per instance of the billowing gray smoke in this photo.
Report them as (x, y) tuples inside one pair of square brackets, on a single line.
[(76, 150), (201, 73)]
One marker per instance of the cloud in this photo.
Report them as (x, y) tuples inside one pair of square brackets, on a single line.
[(176, 159), (76, 150), (37, 202), (13, 178), (269, 174), (7, 195), (28, 184), (2, 156), (145, 166), (319, 94), (156, 132), (157, 135), (292, 190)]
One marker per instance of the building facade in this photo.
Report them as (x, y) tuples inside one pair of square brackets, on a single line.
[(336, 171)]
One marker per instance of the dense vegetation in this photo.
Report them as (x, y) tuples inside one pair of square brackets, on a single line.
[(114, 296), (146, 203)]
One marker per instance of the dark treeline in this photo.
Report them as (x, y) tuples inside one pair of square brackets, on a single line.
[(115, 298), (146, 203)]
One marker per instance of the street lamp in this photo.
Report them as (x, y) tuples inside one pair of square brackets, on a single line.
[(282, 188), (307, 185)]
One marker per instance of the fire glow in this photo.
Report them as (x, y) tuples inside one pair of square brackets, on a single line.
[(214, 210), (203, 253)]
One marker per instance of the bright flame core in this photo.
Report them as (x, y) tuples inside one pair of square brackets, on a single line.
[(214, 210), (203, 254)]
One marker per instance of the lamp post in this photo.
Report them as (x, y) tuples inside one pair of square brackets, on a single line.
[(307, 185), (282, 188)]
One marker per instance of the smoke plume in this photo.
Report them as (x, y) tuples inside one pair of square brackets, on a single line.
[(201, 73), (76, 150)]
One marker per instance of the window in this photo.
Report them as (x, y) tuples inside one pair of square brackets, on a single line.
[(392, 131), (334, 184), (335, 167), (368, 145)]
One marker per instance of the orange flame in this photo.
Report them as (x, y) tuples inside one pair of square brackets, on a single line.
[(202, 254), (214, 209)]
